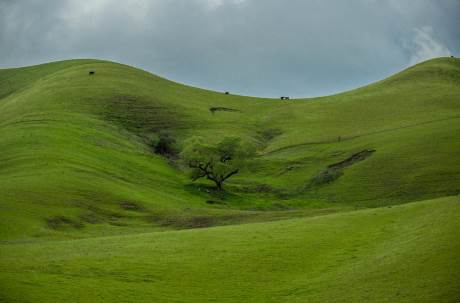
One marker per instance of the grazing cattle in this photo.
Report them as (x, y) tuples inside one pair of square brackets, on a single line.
[(91, 73), (284, 98)]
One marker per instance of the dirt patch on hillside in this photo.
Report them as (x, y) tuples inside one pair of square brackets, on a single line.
[(362, 155), (223, 109), (334, 171)]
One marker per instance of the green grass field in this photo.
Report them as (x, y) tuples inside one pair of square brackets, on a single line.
[(89, 213), (405, 253)]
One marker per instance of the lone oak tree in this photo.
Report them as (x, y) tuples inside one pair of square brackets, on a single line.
[(216, 163)]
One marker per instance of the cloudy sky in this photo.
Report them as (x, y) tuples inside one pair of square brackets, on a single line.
[(252, 47)]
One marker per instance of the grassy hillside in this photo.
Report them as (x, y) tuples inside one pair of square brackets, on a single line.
[(75, 148), (405, 253), (90, 213), (75, 158)]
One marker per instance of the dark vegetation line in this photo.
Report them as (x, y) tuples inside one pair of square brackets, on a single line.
[(31, 121), (223, 109), (334, 171), (358, 136)]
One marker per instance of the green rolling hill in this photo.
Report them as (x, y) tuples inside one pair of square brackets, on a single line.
[(323, 208)]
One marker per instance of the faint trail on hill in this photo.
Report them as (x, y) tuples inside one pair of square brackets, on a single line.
[(359, 136)]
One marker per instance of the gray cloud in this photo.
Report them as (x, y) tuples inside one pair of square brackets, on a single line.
[(425, 46), (253, 47)]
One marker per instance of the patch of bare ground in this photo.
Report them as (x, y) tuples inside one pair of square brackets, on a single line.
[(334, 171), (223, 109)]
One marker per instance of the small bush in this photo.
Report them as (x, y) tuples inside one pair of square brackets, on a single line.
[(165, 145)]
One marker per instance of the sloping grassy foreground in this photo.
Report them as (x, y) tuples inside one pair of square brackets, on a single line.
[(407, 253)]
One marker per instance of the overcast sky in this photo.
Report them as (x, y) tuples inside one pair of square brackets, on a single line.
[(252, 47)]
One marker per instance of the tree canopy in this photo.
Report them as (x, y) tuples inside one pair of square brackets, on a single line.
[(216, 163)]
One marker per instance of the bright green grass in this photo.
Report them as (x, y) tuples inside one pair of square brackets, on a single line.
[(74, 154), (407, 253), (74, 146)]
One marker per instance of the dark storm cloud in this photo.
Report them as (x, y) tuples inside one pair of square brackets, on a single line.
[(254, 47)]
